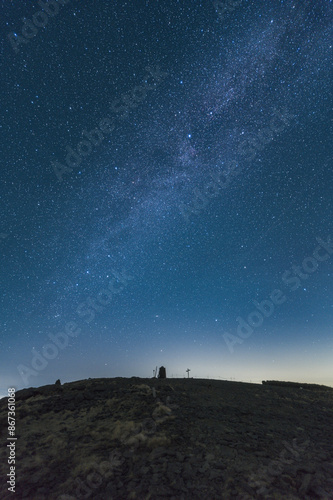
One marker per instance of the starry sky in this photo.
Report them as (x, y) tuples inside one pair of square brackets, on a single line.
[(166, 190)]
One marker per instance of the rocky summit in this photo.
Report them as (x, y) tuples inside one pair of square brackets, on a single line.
[(147, 439)]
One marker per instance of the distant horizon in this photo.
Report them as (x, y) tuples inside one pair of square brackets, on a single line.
[(222, 379)]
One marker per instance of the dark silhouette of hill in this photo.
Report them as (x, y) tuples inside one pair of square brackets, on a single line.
[(135, 438)]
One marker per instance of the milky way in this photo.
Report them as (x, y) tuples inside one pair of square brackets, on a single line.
[(205, 192)]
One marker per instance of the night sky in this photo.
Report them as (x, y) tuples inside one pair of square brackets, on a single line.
[(166, 190)]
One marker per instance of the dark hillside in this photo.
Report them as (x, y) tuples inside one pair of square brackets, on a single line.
[(174, 438)]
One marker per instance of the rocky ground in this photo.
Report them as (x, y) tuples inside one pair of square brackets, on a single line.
[(179, 439)]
